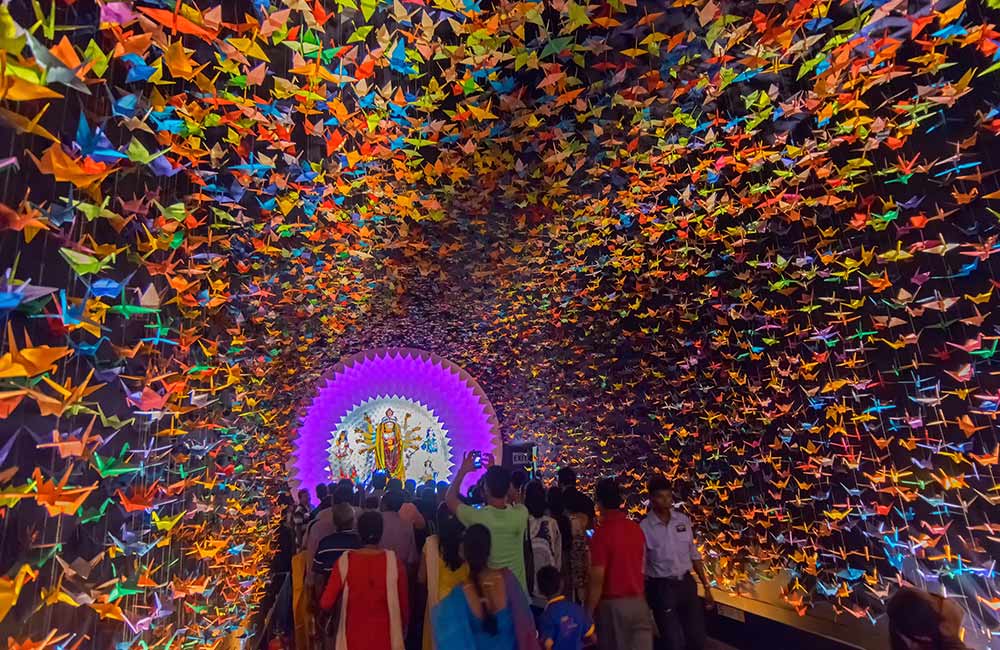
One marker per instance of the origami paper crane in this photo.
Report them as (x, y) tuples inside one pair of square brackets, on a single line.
[(69, 396), (139, 499), (10, 588), (749, 248), (56, 498), (29, 361), (72, 447)]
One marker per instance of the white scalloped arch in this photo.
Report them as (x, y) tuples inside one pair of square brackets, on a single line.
[(421, 379)]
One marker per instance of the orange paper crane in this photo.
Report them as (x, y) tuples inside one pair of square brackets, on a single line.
[(75, 447), (992, 603), (50, 640), (149, 400), (9, 400), (192, 587), (85, 173), (107, 610), (56, 498), (208, 549), (146, 577), (29, 361), (140, 499), (988, 458)]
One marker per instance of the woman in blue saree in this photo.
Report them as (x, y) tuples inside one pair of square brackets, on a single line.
[(489, 610)]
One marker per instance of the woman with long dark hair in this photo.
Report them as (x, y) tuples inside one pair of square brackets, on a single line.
[(578, 508), (370, 586), (922, 621), (442, 566), (489, 610), (557, 511)]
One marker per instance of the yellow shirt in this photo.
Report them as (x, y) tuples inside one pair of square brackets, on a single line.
[(446, 581)]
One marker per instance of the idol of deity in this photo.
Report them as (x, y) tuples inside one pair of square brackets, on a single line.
[(430, 443), (430, 474), (390, 442), (340, 466)]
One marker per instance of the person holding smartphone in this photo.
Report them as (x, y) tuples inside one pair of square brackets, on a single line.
[(505, 521)]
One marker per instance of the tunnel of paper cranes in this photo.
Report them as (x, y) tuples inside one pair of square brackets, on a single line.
[(255, 247)]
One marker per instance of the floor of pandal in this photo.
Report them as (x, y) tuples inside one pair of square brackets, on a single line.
[(718, 645)]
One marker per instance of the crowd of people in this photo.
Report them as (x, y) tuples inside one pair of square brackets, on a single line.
[(510, 564), (505, 564)]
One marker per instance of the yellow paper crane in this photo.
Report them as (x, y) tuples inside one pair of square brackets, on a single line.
[(69, 395), (30, 361), (166, 523), (56, 595), (12, 495), (10, 588)]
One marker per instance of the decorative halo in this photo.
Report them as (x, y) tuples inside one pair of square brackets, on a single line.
[(440, 392)]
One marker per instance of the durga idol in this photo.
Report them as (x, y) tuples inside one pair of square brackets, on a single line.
[(387, 441)]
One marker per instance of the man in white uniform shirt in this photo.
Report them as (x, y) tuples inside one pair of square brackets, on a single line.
[(671, 556)]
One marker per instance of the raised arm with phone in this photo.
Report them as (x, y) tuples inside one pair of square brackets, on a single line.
[(505, 521), (470, 463)]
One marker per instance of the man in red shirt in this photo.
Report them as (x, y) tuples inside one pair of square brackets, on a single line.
[(616, 595)]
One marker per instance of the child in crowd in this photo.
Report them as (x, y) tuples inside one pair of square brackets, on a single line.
[(563, 625)]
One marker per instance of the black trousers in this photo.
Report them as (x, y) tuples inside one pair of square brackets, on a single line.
[(678, 613)]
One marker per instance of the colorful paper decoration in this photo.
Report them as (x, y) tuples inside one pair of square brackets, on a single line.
[(749, 246)]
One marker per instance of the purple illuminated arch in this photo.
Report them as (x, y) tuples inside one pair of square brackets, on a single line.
[(446, 389)]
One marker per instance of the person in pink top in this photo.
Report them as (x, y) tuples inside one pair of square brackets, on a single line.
[(397, 533), (370, 585), (409, 513)]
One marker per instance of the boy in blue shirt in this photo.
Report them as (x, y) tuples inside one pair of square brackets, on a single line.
[(563, 624)]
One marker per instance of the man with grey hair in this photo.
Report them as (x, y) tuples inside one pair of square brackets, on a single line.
[(334, 545)]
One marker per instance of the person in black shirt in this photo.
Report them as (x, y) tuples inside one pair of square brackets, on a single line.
[(342, 492), (427, 505), (566, 478), (378, 485), (300, 517), (518, 479), (278, 592), (334, 545), (321, 493), (282, 560)]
